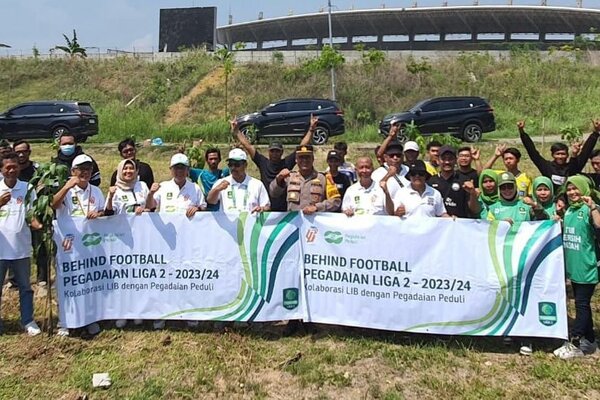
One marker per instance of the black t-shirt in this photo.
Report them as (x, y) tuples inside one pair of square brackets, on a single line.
[(342, 182), (269, 170), (26, 174), (144, 173), (456, 199), (468, 176)]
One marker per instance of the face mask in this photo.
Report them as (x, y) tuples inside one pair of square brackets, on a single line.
[(67, 149)]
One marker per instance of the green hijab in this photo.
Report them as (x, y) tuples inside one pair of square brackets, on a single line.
[(488, 198), (585, 186), (542, 180)]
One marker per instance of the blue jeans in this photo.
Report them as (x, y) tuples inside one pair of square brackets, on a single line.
[(22, 271)]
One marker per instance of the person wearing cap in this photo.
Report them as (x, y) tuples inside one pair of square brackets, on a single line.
[(465, 157), (511, 157), (239, 192), (509, 207), (560, 168), (392, 152), (207, 177), (460, 197), (346, 167), (305, 189), (335, 178), (178, 195), (78, 198), (128, 151), (365, 197), (68, 150), (270, 167), (15, 236), (416, 199), (411, 152)]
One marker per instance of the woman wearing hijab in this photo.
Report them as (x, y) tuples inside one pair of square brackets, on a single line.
[(128, 196), (508, 207), (580, 218), (542, 199), (488, 191)]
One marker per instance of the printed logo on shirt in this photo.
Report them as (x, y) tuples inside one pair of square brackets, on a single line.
[(124, 197), (429, 200), (522, 210), (230, 194), (357, 199), (3, 213), (290, 298), (580, 214), (455, 186), (547, 313), (92, 200), (74, 200), (19, 200), (170, 196)]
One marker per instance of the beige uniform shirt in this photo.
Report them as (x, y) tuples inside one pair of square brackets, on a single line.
[(301, 192)]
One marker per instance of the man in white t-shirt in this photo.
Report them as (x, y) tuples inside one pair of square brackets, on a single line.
[(15, 236), (418, 199), (78, 198), (365, 197), (178, 195), (239, 192), (393, 157)]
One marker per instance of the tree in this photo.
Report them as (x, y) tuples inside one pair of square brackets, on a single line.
[(225, 56), (72, 48)]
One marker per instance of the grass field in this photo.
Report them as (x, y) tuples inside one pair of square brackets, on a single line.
[(260, 362)]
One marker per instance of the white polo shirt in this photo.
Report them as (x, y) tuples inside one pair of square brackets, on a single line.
[(364, 201), (242, 196), (78, 202), (15, 235), (126, 201), (393, 184), (171, 199), (429, 204)]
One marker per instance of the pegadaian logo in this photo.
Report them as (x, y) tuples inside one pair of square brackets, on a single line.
[(91, 239), (547, 313), (311, 234), (334, 237), (290, 298)]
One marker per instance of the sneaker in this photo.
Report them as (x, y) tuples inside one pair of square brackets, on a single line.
[(12, 285), (588, 347), (159, 324), (138, 322), (42, 283), (93, 328), (120, 323), (526, 349), (193, 324), (568, 351), (62, 332), (32, 329)]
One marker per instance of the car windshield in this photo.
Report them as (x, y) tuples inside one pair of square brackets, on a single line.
[(417, 106)]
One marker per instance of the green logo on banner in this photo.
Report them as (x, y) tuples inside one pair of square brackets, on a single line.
[(91, 239), (547, 313), (334, 237), (290, 298)]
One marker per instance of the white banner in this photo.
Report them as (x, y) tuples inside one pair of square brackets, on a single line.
[(213, 267), (435, 275)]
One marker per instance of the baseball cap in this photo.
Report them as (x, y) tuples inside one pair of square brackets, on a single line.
[(334, 154), (506, 177), (410, 145), (276, 146), (179, 158), (418, 166), (81, 159), (237, 155), (304, 150), (447, 149), (394, 148)]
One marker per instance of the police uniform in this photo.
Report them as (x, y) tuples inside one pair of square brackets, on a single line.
[(300, 191)]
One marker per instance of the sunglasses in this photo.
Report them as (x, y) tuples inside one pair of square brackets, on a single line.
[(395, 155), (418, 173), (235, 164)]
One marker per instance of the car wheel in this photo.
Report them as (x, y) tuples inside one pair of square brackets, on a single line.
[(320, 135), (249, 131), (59, 130), (472, 132)]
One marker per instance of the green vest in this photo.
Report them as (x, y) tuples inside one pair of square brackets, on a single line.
[(579, 245), (515, 210)]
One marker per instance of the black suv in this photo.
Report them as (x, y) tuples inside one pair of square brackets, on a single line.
[(466, 117), (48, 120), (291, 118)]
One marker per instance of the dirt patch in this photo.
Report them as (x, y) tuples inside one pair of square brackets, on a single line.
[(178, 111)]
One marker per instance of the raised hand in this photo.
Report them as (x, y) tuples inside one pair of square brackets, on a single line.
[(154, 188), (521, 125), (313, 122), (222, 185)]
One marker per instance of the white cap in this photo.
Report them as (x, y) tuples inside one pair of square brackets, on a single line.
[(237, 155), (180, 158), (410, 145), (81, 159)]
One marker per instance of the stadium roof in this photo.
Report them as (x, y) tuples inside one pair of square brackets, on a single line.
[(470, 20)]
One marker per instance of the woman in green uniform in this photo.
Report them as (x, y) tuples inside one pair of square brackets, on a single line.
[(488, 190)]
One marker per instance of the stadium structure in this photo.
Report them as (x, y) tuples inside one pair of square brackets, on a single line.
[(422, 28)]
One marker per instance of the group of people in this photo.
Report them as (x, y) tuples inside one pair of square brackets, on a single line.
[(451, 183)]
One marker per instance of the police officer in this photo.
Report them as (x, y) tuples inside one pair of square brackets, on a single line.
[(305, 190)]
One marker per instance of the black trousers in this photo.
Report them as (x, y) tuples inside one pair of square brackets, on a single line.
[(584, 324)]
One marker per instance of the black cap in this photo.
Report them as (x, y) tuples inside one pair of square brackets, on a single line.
[(394, 148), (334, 154), (418, 166), (447, 149), (276, 146), (304, 149)]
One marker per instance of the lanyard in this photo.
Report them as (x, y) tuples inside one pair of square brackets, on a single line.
[(234, 200), (395, 176), (80, 204)]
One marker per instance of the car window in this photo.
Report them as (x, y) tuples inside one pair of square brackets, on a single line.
[(452, 105), (86, 108), (23, 110), (321, 105), (273, 108), (433, 106), (299, 106), (63, 108), (43, 109)]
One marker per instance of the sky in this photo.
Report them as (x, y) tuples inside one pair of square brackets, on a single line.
[(132, 25)]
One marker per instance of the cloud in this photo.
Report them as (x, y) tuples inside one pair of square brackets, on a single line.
[(145, 43)]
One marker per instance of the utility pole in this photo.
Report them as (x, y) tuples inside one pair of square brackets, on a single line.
[(331, 45)]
